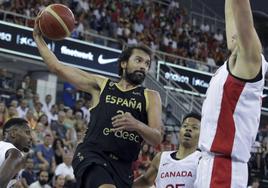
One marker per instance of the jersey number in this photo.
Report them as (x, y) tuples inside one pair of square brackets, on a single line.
[(175, 186)]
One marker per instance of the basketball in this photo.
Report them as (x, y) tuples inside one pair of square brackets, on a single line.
[(56, 22)]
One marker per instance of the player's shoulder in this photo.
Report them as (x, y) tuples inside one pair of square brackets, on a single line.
[(4, 144), (151, 93), (13, 153), (195, 156)]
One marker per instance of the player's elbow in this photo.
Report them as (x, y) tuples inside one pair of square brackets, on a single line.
[(157, 138)]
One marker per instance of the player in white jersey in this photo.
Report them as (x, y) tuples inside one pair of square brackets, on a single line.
[(17, 139), (175, 169), (231, 110)]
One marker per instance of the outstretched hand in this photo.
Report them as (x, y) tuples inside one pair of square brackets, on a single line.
[(125, 122)]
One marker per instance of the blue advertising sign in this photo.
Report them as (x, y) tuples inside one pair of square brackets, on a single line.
[(192, 81)]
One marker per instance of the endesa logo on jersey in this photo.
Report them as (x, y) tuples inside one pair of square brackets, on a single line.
[(17, 40)]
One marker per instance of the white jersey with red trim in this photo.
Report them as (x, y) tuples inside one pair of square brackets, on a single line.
[(174, 173), (231, 114), (4, 147)]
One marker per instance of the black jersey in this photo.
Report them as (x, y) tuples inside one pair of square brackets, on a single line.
[(113, 101)]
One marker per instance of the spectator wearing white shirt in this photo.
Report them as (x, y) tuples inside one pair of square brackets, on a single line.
[(22, 108), (47, 104), (66, 168), (218, 36)]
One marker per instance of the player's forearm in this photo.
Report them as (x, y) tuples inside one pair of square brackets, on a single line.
[(6, 174), (141, 182), (247, 37), (229, 23), (150, 135), (49, 58)]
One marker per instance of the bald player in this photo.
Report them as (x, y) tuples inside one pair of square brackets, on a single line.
[(174, 169)]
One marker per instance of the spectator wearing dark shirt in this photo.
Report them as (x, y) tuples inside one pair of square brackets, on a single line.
[(28, 175), (45, 155), (58, 128)]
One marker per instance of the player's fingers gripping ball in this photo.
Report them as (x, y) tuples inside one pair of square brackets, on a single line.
[(56, 22)]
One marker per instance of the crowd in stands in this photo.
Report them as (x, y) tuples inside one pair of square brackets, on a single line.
[(164, 27)]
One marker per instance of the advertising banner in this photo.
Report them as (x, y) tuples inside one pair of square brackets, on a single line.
[(18, 40)]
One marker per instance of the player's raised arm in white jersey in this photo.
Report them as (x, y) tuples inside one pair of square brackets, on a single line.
[(242, 39)]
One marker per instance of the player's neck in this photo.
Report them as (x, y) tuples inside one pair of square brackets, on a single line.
[(184, 152), (125, 85)]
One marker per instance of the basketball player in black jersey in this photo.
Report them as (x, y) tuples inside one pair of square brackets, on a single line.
[(124, 114)]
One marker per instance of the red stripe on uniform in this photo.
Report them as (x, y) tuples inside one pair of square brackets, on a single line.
[(225, 133), (221, 172)]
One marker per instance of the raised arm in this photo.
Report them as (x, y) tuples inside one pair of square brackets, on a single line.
[(230, 27), (239, 20), (149, 177), (81, 79), (11, 166)]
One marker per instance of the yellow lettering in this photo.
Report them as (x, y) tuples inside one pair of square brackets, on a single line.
[(139, 106), (132, 103), (119, 101), (108, 98), (106, 131), (113, 100), (125, 102)]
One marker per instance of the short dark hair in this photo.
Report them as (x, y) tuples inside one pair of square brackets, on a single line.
[(127, 52), (261, 25), (14, 122), (192, 115)]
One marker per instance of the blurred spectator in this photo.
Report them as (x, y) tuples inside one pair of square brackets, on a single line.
[(65, 168), (19, 95), (3, 113), (22, 108), (42, 181), (32, 120), (5, 81), (12, 112), (58, 148), (218, 36), (53, 113), (69, 120), (27, 83), (44, 120), (38, 109), (28, 175), (14, 103), (59, 181), (39, 134), (47, 105), (45, 159), (166, 145), (69, 95), (58, 127)]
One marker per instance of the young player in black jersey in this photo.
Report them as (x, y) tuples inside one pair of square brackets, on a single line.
[(124, 114)]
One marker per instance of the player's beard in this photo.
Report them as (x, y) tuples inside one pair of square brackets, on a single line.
[(135, 78)]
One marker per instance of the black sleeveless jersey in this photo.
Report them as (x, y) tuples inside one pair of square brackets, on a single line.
[(113, 101)]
